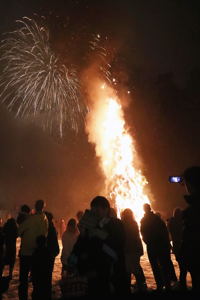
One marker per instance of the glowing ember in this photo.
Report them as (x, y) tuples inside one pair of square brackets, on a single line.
[(114, 145)]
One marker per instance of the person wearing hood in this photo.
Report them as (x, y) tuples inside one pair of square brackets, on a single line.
[(190, 249)]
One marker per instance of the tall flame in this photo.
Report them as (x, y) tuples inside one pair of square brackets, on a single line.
[(115, 148)]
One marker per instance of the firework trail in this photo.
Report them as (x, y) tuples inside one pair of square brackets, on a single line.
[(103, 68), (34, 83)]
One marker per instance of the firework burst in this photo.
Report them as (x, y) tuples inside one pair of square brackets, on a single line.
[(34, 83)]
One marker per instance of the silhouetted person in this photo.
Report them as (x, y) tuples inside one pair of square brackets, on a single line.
[(133, 249), (173, 277), (10, 230), (4, 285), (190, 249), (40, 270), (34, 226), (69, 238), (155, 235), (23, 214), (99, 250), (79, 215), (4, 281), (175, 227), (1, 251), (53, 250)]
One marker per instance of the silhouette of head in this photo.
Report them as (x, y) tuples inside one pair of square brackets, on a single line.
[(25, 209), (127, 215), (11, 222), (100, 206), (192, 179), (177, 212), (147, 207), (71, 225), (39, 205)]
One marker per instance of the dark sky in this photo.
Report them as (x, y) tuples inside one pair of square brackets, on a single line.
[(150, 38), (159, 35)]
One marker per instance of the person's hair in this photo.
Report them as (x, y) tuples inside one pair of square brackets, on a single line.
[(147, 207), (127, 214), (192, 176), (100, 201), (39, 205), (11, 222), (71, 225), (25, 208)]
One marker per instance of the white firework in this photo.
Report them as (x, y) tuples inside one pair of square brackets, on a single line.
[(34, 83)]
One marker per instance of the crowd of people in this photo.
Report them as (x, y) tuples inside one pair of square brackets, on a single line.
[(101, 252)]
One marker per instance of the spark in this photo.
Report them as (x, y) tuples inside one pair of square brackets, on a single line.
[(100, 52)]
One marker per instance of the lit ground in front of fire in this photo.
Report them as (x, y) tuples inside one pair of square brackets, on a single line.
[(12, 292)]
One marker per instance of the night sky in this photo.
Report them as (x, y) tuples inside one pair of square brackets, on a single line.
[(155, 48)]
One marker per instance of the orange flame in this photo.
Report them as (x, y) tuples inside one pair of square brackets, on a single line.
[(115, 147)]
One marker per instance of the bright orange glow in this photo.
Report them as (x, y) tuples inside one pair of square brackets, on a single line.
[(116, 150)]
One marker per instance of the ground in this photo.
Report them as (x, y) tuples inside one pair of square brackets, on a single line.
[(12, 292)]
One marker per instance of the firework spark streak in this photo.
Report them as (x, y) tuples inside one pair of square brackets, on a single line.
[(116, 149), (101, 55), (34, 83)]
